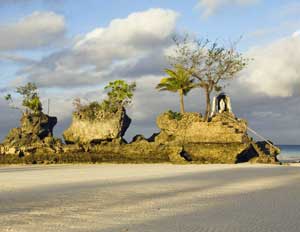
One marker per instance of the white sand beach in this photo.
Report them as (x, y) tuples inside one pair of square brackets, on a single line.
[(150, 198)]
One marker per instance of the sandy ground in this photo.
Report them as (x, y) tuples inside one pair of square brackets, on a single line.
[(144, 198)]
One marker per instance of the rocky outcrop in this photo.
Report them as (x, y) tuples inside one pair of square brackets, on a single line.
[(33, 127), (266, 152), (105, 127), (138, 138), (191, 128), (183, 138), (188, 138), (267, 148), (223, 139), (35, 134)]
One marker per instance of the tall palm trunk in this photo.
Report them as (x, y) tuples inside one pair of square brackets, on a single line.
[(181, 101), (208, 105)]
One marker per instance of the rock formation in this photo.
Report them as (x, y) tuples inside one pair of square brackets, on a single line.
[(34, 134), (191, 128), (97, 135), (183, 138), (106, 126), (223, 139)]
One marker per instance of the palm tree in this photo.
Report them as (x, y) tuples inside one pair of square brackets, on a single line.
[(178, 80)]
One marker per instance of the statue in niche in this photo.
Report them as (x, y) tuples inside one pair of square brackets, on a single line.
[(221, 103)]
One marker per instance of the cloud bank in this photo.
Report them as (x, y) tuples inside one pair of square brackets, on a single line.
[(33, 31), (130, 46), (275, 69)]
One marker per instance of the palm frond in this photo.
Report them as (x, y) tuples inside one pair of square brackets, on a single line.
[(178, 79)]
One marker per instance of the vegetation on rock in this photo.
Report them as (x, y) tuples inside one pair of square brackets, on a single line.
[(90, 111), (211, 64), (30, 98), (178, 81), (119, 96), (98, 122), (174, 115), (36, 128)]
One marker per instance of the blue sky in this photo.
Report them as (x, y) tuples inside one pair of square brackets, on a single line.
[(85, 15), (230, 21), (64, 46)]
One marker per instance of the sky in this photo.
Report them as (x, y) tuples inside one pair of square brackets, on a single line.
[(73, 49)]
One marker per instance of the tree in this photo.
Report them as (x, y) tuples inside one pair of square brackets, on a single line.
[(209, 63), (119, 94), (77, 104), (31, 100), (178, 80)]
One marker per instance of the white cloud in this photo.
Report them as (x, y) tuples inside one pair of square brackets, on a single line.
[(212, 6), (296, 34), (276, 31), (16, 59), (36, 30), (275, 70), (133, 42), (133, 36)]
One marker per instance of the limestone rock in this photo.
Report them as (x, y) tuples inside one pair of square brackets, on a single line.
[(175, 155), (33, 128), (38, 124), (223, 139), (266, 153), (152, 137), (35, 132), (2, 149), (136, 152), (109, 126), (268, 149), (191, 128), (72, 148), (213, 153), (137, 138), (12, 150)]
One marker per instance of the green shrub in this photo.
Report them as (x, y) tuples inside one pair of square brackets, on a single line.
[(174, 115), (89, 111), (119, 95), (31, 100)]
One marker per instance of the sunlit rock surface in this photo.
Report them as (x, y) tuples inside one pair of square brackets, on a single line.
[(183, 138), (106, 126), (191, 128), (223, 139)]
